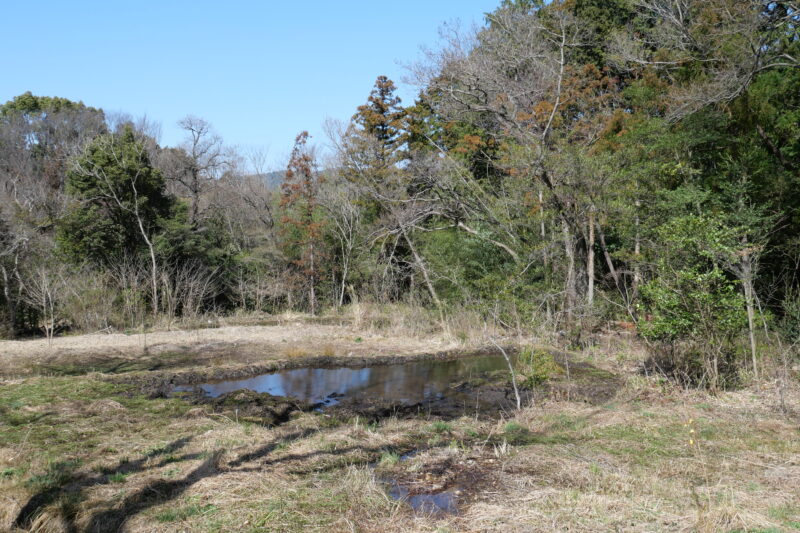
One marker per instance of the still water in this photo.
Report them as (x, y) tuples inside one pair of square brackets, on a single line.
[(406, 383)]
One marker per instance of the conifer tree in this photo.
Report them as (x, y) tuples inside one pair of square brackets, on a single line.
[(379, 122), (302, 231)]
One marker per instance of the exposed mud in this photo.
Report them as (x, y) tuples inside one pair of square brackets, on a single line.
[(259, 408), (439, 484), (162, 384), (485, 394)]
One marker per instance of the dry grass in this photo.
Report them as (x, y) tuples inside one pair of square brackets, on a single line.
[(656, 458), (398, 330), (630, 466)]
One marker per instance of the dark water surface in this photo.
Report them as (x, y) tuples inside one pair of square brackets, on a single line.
[(407, 383), (445, 502)]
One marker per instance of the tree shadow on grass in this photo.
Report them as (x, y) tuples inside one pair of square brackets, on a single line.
[(158, 492), (161, 491), (61, 482), (155, 493), (268, 448)]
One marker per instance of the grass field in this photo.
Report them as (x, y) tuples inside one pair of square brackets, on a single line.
[(82, 452)]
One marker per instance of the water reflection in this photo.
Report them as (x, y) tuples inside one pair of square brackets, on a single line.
[(445, 502), (408, 383)]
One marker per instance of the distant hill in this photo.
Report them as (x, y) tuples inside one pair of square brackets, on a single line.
[(274, 179)]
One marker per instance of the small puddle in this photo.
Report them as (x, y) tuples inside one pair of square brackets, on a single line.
[(407, 383), (438, 503), (445, 502)]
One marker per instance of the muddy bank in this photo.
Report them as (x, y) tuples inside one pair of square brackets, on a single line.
[(446, 386), (437, 483), (162, 383), (248, 406)]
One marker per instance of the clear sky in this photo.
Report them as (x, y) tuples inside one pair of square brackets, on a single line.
[(259, 71)]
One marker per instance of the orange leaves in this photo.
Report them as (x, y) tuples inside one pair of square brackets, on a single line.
[(469, 143), (532, 203), (542, 110)]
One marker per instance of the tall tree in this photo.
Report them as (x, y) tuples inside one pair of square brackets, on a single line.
[(379, 124), (38, 136), (122, 204), (201, 162), (302, 227), (373, 143)]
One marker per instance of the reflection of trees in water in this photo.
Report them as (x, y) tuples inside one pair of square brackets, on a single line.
[(412, 382), (315, 384)]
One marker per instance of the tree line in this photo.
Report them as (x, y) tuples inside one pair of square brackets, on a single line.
[(565, 165)]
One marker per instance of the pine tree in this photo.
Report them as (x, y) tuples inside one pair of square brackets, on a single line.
[(376, 136)]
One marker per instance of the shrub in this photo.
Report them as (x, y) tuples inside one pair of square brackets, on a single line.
[(537, 366)]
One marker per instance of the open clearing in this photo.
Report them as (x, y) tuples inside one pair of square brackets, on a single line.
[(84, 446)]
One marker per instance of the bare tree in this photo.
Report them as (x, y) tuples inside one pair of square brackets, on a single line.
[(130, 277), (201, 163), (252, 194), (340, 200), (747, 37), (44, 290), (187, 287)]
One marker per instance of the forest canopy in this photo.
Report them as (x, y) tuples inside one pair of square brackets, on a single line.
[(565, 165)]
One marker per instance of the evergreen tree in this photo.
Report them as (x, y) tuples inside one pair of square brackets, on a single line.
[(302, 231), (116, 189), (379, 124)]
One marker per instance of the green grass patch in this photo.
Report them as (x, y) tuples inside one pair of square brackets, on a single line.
[(10, 472), (441, 427), (118, 477), (564, 422), (47, 391), (789, 515), (58, 474), (643, 445), (187, 511), (517, 434)]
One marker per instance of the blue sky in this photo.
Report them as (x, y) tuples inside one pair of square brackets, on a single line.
[(260, 72)]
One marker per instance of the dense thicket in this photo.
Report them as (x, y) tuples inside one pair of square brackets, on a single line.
[(564, 166)]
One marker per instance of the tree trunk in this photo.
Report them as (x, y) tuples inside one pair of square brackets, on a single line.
[(613, 271), (570, 288), (637, 275), (312, 296), (542, 229), (590, 261), (195, 190), (747, 283), (345, 268), (11, 303), (424, 270), (153, 271)]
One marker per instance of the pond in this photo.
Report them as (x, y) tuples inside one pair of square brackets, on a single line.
[(408, 383)]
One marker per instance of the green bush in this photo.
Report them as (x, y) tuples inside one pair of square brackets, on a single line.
[(537, 366)]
